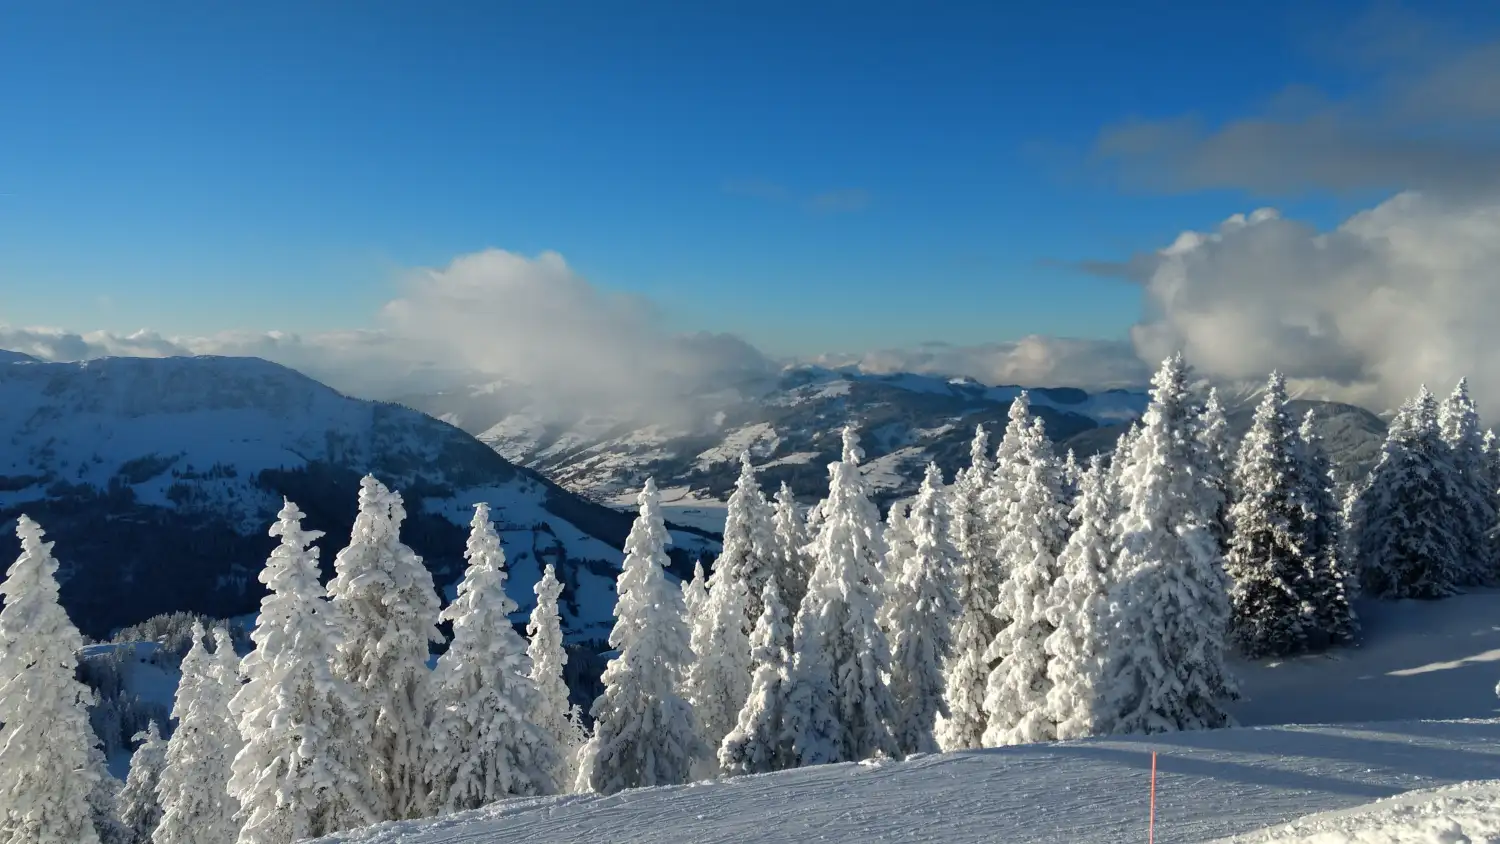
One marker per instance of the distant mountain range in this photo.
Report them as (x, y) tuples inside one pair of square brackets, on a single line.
[(158, 479), (791, 428)]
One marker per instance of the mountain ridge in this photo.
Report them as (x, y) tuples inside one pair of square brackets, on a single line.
[(159, 477), (792, 432)]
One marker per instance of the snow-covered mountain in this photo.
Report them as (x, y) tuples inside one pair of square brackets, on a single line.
[(158, 479), (792, 432)]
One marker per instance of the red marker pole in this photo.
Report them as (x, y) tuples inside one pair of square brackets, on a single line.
[(1151, 828)]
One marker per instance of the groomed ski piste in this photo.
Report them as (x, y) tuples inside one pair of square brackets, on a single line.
[(1410, 752)]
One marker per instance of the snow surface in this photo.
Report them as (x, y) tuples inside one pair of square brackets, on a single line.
[(1419, 660), (1210, 785), (1461, 813)]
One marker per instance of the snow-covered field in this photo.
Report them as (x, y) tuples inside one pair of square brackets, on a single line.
[(1462, 813), (1419, 660), (1210, 785)]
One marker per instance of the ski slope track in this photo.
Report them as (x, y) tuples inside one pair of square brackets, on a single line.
[(158, 479), (1411, 708), (1210, 785)]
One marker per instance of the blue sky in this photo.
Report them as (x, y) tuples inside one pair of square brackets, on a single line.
[(813, 176)]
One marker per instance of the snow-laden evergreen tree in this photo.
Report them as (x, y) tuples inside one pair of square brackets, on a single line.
[(1034, 530), (793, 567), (385, 598), (1474, 493), (1492, 460), (718, 679), (900, 544), (228, 677), (1166, 667), (694, 593), (486, 742), (104, 802), (840, 707), (645, 734), (555, 715), (1119, 458), (758, 743), (1333, 619), (1492, 452), (921, 610), (1217, 460), (1072, 479), (196, 805), (140, 808), (976, 587), (47, 748), (1269, 543), (1078, 609), (749, 548), (301, 773), (1409, 530)]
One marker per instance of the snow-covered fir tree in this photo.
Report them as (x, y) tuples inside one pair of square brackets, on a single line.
[(1409, 538), (1072, 479), (793, 567), (1166, 667), (1078, 609), (301, 773), (104, 802), (196, 805), (694, 593), (1217, 460), (1269, 543), (976, 587), (555, 715), (140, 808), (645, 734), (486, 744), (1474, 493), (921, 610), (749, 547), (1033, 530), (226, 672), (1492, 460), (1333, 619), (718, 679), (840, 707), (47, 748), (758, 743), (1119, 458), (385, 598), (899, 544)]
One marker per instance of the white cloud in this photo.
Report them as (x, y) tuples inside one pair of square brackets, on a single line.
[(1422, 112), (492, 315), (1403, 294), (1033, 361), (537, 322)]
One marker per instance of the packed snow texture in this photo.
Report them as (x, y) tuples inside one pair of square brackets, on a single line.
[(1416, 660), (1467, 814), (1211, 784)]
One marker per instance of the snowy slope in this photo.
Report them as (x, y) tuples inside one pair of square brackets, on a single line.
[(1462, 813), (159, 477), (1419, 660), (1211, 785)]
